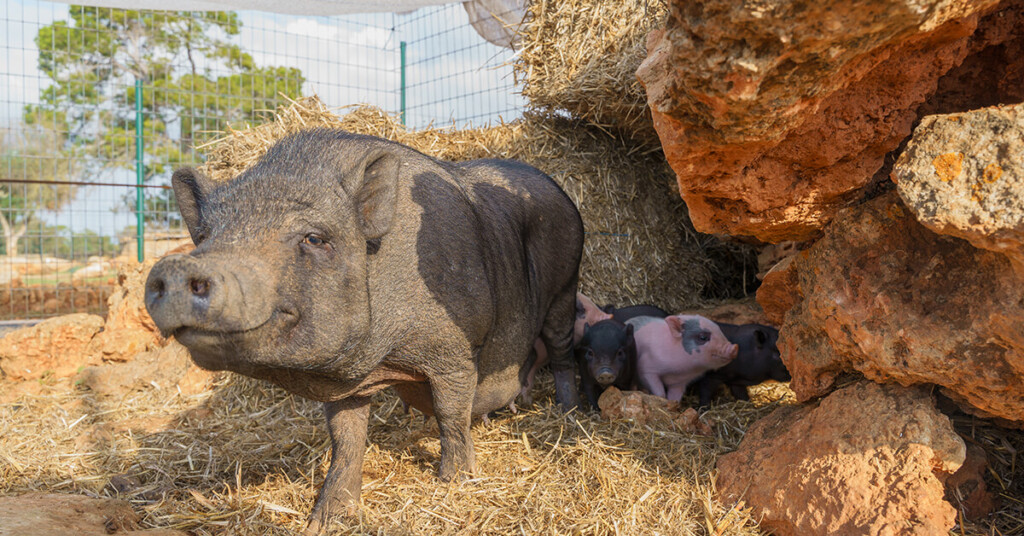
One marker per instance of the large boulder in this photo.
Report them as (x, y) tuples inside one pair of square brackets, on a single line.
[(883, 296), (56, 347), (963, 175), (868, 459), (775, 115)]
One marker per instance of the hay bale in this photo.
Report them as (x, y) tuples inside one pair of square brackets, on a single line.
[(581, 56), (640, 246)]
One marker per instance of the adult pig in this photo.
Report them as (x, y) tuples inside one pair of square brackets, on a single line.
[(606, 356), (758, 360), (675, 350), (587, 313), (341, 264)]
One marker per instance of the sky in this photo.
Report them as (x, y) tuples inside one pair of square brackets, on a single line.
[(452, 75)]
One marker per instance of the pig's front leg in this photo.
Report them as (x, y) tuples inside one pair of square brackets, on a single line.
[(453, 395), (346, 422)]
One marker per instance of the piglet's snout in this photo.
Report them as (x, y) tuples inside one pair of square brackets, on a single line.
[(605, 376)]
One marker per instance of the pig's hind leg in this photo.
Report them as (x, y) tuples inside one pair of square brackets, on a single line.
[(557, 336)]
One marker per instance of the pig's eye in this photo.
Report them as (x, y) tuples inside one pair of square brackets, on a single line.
[(314, 240), (620, 355), (590, 354), (704, 336)]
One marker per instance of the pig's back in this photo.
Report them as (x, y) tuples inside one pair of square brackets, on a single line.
[(529, 227)]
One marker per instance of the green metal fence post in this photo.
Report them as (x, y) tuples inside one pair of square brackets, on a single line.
[(402, 115), (139, 170)]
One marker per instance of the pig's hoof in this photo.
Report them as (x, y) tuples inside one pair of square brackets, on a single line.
[(321, 521)]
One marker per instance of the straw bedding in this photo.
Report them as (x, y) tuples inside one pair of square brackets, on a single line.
[(581, 57), (640, 246), (246, 458)]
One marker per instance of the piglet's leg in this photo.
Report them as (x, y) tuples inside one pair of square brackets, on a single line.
[(739, 391), (346, 422), (675, 392), (453, 406), (653, 384)]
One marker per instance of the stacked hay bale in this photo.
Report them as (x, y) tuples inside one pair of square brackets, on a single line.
[(640, 246), (581, 57)]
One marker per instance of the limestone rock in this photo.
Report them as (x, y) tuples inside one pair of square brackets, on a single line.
[(774, 115), (883, 296), (41, 514), (55, 346), (967, 488), (129, 329), (963, 175), (868, 459), (655, 411), (779, 291)]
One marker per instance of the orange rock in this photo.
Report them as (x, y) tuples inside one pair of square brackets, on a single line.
[(967, 488), (884, 297), (868, 459), (775, 116), (55, 346), (655, 411), (129, 330)]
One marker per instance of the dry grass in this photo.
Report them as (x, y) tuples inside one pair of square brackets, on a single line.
[(581, 56), (247, 458), (640, 246)]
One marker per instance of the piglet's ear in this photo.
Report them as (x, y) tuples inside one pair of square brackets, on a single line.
[(629, 330), (675, 325), (372, 185), (761, 337), (190, 190)]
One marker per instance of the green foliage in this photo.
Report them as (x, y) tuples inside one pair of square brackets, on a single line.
[(58, 241), (93, 60)]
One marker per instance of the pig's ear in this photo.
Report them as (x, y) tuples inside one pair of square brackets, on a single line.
[(190, 190), (675, 325), (372, 185)]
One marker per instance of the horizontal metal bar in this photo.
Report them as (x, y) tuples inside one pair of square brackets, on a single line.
[(80, 183)]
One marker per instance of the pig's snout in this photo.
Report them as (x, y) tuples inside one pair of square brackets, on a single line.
[(732, 351), (186, 292)]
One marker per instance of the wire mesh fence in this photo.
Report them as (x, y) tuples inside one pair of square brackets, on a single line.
[(100, 105)]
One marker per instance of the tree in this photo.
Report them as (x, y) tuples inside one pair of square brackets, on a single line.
[(93, 60), (32, 157)]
